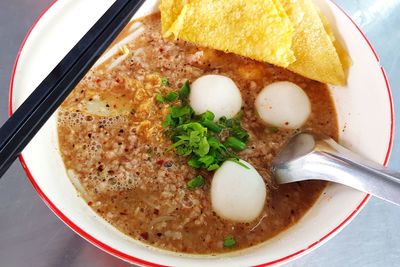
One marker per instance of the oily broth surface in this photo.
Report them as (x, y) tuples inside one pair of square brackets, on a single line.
[(120, 158)]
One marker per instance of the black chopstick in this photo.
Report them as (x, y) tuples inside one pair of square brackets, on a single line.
[(26, 121)]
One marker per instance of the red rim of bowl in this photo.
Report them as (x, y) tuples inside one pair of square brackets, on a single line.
[(132, 259)]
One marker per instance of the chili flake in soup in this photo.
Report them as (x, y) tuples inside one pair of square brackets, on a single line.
[(116, 152)]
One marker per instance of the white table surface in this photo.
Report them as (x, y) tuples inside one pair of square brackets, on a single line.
[(31, 235)]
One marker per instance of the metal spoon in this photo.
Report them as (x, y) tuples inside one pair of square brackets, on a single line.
[(309, 156)]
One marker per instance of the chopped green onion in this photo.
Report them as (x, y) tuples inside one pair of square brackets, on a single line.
[(168, 121), (171, 97), (228, 123), (235, 143), (215, 143), (213, 167), (164, 81), (194, 126), (207, 120), (212, 126), (240, 133), (196, 182), (185, 91), (203, 147), (207, 116), (177, 112), (273, 129), (237, 161), (207, 160), (183, 150), (194, 163), (229, 241), (160, 98)]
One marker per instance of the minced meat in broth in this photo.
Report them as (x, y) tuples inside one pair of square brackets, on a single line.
[(119, 156)]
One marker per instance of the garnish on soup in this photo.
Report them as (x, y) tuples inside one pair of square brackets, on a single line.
[(196, 182), (206, 142), (229, 241)]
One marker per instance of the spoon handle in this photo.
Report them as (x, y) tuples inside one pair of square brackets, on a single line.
[(348, 168), (311, 157)]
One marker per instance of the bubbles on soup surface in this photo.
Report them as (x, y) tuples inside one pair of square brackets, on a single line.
[(101, 178), (73, 118), (107, 181)]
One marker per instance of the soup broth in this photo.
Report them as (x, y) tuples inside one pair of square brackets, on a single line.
[(116, 152)]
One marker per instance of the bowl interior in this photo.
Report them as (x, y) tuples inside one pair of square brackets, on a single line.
[(365, 120)]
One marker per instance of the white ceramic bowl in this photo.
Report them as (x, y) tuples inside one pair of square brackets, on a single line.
[(365, 118)]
